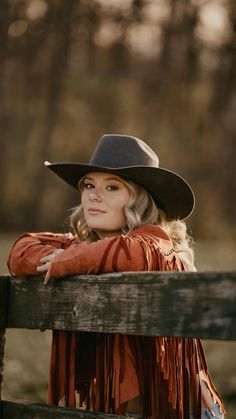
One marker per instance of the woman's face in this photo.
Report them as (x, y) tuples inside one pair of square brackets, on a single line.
[(103, 198)]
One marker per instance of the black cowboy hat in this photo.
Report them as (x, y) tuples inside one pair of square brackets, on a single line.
[(131, 158)]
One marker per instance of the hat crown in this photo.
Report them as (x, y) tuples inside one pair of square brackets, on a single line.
[(115, 151)]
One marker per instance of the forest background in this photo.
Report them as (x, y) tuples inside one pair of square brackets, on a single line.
[(161, 70)]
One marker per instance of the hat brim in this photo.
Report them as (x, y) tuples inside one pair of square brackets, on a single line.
[(170, 191)]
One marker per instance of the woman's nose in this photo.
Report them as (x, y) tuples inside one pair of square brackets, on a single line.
[(95, 195)]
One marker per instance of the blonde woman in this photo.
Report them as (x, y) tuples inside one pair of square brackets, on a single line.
[(130, 219)]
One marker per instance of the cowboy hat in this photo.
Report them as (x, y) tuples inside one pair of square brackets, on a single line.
[(132, 159)]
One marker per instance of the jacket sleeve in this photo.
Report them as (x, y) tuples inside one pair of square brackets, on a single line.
[(121, 253), (27, 251)]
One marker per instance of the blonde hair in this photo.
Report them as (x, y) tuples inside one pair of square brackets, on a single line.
[(140, 210)]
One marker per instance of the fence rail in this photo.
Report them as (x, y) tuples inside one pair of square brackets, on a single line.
[(28, 410), (182, 304)]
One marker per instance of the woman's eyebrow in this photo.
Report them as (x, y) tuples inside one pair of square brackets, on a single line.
[(106, 179), (114, 178)]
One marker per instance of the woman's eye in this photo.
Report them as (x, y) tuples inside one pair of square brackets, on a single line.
[(112, 188), (88, 186)]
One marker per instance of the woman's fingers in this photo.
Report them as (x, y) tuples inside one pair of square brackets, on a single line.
[(47, 278), (46, 263), (44, 267), (51, 256)]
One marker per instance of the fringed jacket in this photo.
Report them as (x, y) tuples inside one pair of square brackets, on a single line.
[(169, 374)]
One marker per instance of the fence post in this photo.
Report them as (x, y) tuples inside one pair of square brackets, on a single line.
[(4, 280), (2, 347)]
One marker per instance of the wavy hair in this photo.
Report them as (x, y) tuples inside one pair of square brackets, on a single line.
[(140, 210)]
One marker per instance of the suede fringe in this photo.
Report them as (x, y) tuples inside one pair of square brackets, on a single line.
[(94, 364)]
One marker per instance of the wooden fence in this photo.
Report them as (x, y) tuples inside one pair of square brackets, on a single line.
[(201, 305)]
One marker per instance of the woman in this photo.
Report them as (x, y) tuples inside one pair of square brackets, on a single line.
[(129, 219)]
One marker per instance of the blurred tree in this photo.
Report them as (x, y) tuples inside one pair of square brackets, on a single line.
[(55, 56), (4, 114), (161, 70)]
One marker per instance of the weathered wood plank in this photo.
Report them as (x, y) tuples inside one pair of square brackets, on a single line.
[(2, 349), (13, 410), (3, 300), (148, 303), (3, 321)]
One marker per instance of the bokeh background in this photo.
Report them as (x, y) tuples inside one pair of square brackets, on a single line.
[(72, 70)]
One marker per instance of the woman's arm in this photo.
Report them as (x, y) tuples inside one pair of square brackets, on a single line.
[(140, 251), (106, 255), (28, 250)]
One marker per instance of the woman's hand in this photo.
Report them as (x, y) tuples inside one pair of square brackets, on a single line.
[(46, 263)]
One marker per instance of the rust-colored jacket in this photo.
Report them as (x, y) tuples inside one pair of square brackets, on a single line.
[(113, 369)]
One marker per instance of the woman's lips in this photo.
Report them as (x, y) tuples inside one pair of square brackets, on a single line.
[(95, 211)]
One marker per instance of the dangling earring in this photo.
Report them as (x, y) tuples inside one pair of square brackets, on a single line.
[(125, 230)]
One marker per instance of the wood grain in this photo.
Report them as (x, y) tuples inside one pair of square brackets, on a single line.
[(4, 280), (145, 303), (13, 410)]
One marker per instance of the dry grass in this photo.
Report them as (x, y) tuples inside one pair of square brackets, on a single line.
[(27, 352)]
